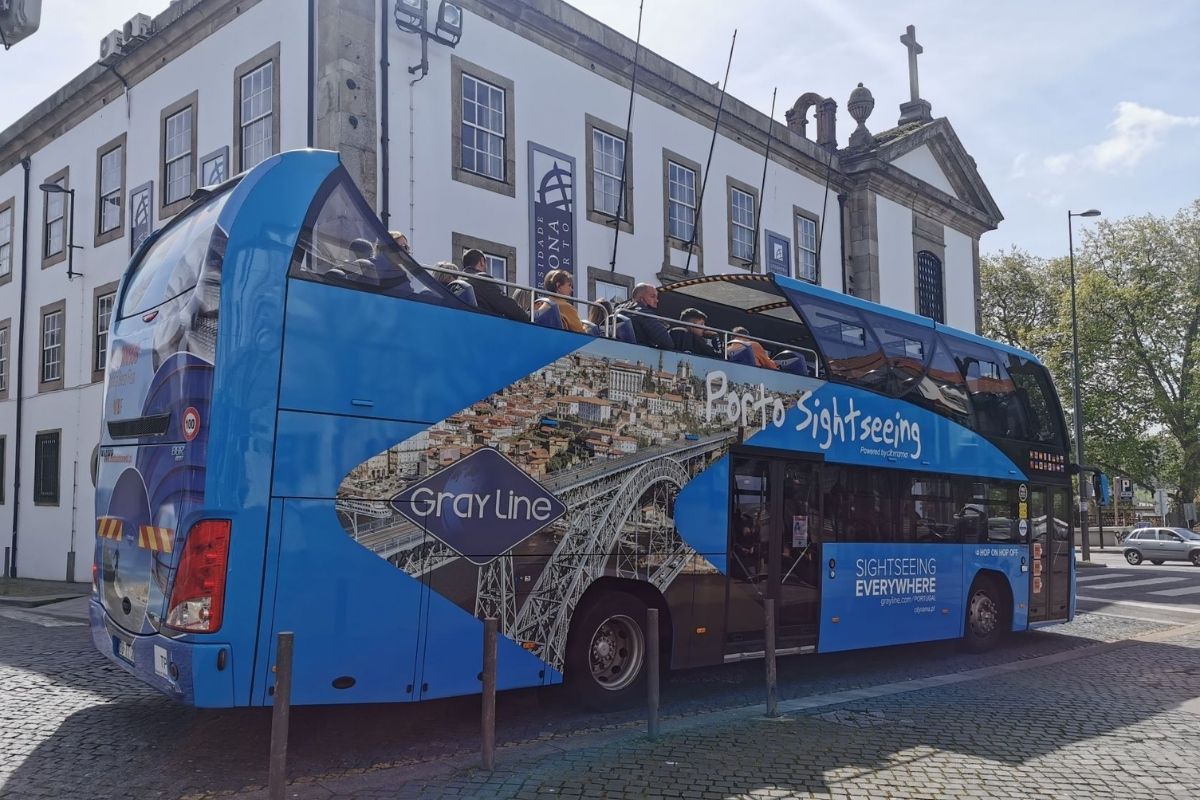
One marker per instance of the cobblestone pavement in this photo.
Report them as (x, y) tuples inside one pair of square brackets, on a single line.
[(71, 725)]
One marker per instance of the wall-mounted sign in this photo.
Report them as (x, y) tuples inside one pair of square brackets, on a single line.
[(779, 254), (141, 214), (214, 167), (551, 211)]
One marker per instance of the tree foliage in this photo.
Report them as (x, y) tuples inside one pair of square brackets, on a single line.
[(1138, 299)]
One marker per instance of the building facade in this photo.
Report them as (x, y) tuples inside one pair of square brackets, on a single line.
[(515, 141)]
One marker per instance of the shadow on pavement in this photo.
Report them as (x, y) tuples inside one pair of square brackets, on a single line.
[(137, 743)]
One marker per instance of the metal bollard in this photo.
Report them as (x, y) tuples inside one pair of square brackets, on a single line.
[(280, 711), (772, 677), (652, 672), (490, 626)]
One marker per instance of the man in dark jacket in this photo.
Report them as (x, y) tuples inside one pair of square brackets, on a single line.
[(648, 331), (690, 338), (489, 296)]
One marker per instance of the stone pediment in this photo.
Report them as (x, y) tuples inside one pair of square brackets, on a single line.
[(931, 154)]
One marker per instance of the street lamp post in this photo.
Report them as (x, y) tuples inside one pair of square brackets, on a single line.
[(54, 188), (1084, 485)]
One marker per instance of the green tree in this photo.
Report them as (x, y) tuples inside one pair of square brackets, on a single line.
[(1138, 296)]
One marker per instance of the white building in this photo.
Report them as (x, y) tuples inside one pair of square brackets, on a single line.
[(210, 87)]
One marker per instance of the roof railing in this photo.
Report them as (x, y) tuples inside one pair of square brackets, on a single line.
[(610, 320)]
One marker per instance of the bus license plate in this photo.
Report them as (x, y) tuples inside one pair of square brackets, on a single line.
[(124, 649)]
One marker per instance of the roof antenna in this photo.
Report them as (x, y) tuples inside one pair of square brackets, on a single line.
[(711, 145), (637, 46), (762, 189)]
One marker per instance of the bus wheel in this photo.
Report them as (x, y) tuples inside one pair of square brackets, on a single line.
[(985, 618), (606, 656)]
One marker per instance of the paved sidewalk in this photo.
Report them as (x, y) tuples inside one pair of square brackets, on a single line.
[(27, 592), (1111, 720)]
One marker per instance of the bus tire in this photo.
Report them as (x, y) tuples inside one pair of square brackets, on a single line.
[(606, 651), (985, 617)]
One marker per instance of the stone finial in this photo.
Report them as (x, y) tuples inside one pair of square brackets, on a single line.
[(827, 124), (860, 106)]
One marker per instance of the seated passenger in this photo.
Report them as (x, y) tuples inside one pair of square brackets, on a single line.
[(741, 340), (691, 339), (446, 272), (560, 281), (488, 295), (401, 241), (598, 315), (650, 332)]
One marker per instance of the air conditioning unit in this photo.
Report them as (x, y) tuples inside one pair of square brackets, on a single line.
[(138, 28), (112, 47)]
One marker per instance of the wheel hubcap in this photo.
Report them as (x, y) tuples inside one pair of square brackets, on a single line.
[(984, 616), (1132, 558), (616, 652)]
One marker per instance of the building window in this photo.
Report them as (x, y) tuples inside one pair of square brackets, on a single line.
[(3, 464), (110, 191), (54, 221), (103, 300), (6, 237), (741, 218), (46, 468), (178, 136), (497, 266), (929, 286), (256, 119), (681, 202), (608, 152), (483, 128), (50, 374), (806, 247), (743, 249), (5, 329), (501, 259)]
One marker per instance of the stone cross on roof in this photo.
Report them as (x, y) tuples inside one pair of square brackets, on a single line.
[(909, 40), (916, 109)]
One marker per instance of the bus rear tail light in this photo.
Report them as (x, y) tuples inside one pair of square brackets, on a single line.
[(198, 598)]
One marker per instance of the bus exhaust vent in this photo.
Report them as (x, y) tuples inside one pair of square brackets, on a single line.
[(155, 425)]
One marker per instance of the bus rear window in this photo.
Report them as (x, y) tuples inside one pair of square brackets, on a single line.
[(172, 265)]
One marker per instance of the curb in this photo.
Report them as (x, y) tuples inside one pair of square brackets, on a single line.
[(33, 601)]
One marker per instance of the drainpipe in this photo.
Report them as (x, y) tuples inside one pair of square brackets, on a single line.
[(384, 214), (312, 74), (842, 239), (20, 382)]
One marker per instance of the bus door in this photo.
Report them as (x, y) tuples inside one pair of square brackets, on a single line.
[(1050, 553), (774, 551)]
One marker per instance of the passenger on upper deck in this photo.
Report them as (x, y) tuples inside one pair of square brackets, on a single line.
[(401, 241), (560, 281), (598, 314), (691, 339), (488, 295), (648, 331), (742, 339)]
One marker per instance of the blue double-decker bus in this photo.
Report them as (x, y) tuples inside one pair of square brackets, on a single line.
[(304, 430)]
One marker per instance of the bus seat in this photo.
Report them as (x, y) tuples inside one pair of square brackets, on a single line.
[(740, 354), (793, 362), (679, 337), (624, 329), (591, 328), (463, 291), (547, 314)]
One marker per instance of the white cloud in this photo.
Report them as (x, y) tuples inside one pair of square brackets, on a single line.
[(1135, 132)]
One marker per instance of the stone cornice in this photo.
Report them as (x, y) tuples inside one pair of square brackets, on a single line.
[(898, 186), (176, 30), (577, 37)]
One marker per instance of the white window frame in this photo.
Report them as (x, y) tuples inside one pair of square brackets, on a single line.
[(806, 248), (741, 221), (6, 236), (260, 118), (4, 349), (677, 197), (182, 137), (56, 215), (605, 202), (489, 133), (103, 324), (52, 346)]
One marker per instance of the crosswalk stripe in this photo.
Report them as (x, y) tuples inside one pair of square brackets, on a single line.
[(1135, 604), (1140, 582), (37, 619), (1180, 592)]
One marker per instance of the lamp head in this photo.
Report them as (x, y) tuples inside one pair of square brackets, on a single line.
[(52, 188), (450, 23), (410, 15), (1091, 212)]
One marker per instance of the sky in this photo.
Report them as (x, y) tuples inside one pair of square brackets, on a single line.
[(1073, 104)]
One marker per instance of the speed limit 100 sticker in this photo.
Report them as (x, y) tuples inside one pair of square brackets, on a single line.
[(191, 423)]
